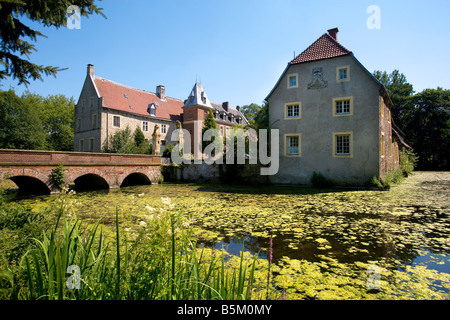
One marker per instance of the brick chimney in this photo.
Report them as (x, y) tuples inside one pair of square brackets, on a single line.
[(90, 69), (333, 33), (161, 92), (225, 105)]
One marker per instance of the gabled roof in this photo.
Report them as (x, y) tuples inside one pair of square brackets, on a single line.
[(198, 97), (123, 98), (323, 48)]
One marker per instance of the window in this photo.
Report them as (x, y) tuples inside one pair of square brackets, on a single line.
[(343, 74), (343, 106), (144, 126), (91, 145), (163, 128), (94, 121), (292, 80), (292, 111), (79, 124), (382, 144), (292, 145), (152, 111), (343, 144), (81, 145), (116, 121)]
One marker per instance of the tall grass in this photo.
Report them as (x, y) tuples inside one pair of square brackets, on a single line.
[(163, 264)]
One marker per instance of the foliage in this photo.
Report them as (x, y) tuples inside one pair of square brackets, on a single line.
[(408, 161), (210, 123), (139, 138), (123, 141), (56, 114), (427, 126), (34, 122), (14, 15), (57, 178), (162, 263), (319, 181), (168, 150), (399, 90), (20, 124), (256, 115), (424, 117)]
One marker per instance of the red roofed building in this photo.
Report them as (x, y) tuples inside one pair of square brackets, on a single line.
[(333, 118), (104, 107)]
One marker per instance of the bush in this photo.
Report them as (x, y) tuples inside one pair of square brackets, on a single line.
[(57, 178), (408, 160), (319, 181)]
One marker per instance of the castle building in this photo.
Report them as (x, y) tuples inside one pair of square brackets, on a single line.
[(333, 117), (105, 106)]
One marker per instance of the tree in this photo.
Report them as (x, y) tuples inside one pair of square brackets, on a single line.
[(210, 123), (399, 90), (56, 114), (427, 127), (15, 50), (123, 141), (20, 124), (256, 115)]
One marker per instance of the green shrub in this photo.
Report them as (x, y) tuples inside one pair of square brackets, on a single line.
[(57, 178), (408, 160)]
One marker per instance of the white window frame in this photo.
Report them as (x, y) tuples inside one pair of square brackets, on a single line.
[(144, 125), (342, 111), (163, 128), (289, 80), (289, 149), (338, 73), (289, 110), (339, 144)]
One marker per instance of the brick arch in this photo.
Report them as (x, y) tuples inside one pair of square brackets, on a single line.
[(90, 181), (135, 178), (30, 185), (29, 180)]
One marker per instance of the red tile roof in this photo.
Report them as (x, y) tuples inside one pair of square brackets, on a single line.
[(323, 48), (120, 97)]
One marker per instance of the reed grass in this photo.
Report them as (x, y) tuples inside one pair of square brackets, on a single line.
[(148, 268)]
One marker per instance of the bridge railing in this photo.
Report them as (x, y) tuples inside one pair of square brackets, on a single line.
[(9, 156)]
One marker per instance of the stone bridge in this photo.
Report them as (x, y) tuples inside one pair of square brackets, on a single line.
[(31, 170)]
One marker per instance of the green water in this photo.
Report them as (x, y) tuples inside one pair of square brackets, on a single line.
[(324, 241)]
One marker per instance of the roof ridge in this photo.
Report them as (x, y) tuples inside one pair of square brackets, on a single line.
[(323, 48), (132, 88)]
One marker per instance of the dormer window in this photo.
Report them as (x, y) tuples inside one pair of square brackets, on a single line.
[(151, 109)]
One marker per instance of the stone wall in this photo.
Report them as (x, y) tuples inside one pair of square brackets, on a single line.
[(215, 173)]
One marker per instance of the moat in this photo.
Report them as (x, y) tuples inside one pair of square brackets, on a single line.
[(324, 241)]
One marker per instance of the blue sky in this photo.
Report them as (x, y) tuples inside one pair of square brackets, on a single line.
[(238, 49)]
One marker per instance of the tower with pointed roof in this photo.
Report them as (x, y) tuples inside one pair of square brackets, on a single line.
[(333, 118)]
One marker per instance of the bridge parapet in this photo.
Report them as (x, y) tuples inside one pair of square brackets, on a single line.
[(34, 157), (31, 170)]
